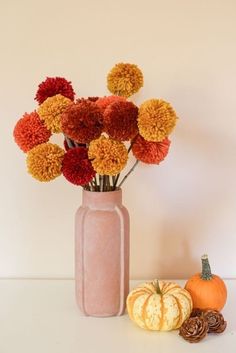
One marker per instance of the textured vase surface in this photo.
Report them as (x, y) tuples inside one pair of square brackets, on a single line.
[(102, 254)]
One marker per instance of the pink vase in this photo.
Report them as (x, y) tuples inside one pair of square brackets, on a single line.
[(102, 254)]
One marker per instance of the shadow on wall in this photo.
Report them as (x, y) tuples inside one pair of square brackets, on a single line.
[(203, 203)]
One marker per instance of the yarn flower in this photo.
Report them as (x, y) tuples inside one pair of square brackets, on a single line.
[(156, 120), (76, 167), (124, 79), (52, 86), (120, 120), (30, 131), (104, 102), (82, 121), (91, 99), (108, 156), (150, 152), (51, 109), (44, 161)]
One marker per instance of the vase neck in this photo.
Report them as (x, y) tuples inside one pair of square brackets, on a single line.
[(106, 199)]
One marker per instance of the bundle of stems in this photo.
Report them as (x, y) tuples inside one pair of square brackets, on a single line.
[(101, 183)]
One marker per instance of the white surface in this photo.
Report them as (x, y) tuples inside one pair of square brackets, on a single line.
[(180, 209), (41, 316)]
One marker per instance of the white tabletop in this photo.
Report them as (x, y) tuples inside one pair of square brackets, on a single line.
[(40, 316)]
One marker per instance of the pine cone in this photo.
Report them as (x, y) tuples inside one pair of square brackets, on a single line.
[(216, 322), (196, 312), (194, 329)]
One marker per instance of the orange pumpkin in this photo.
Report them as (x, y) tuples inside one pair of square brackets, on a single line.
[(208, 291)]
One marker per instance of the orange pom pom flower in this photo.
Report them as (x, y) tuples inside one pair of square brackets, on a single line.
[(108, 156), (30, 132), (51, 109), (104, 102), (124, 79), (150, 152), (156, 120), (44, 161)]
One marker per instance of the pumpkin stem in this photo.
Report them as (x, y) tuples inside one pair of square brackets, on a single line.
[(158, 287), (206, 269)]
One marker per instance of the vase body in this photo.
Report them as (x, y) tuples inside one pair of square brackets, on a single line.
[(102, 254)]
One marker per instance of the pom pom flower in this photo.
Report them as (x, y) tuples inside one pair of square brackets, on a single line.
[(76, 167), (91, 99), (94, 129), (44, 161), (108, 156), (52, 86), (51, 109), (82, 121), (104, 102), (30, 132), (124, 79), (156, 120), (120, 120), (150, 152)]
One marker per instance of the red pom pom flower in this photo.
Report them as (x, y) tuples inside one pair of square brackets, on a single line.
[(91, 99), (120, 120), (30, 131), (82, 121), (103, 102), (76, 167), (150, 152), (52, 86)]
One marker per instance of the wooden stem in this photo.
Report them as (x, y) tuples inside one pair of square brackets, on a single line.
[(69, 142), (132, 142), (100, 182), (116, 180), (158, 287), (126, 176)]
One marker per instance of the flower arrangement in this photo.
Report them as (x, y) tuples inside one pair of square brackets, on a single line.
[(99, 132)]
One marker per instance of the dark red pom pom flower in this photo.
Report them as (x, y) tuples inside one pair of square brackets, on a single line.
[(150, 152), (76, 167), (120, 120), (82, 121), (52, 86)]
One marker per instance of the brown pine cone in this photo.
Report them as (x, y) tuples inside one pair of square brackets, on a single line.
[(216, 322), (194, 329), (196, 312)]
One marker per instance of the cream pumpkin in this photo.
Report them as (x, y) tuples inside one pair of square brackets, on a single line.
[(159, 305)]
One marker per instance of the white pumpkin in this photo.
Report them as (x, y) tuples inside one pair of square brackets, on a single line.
[(159, 305)]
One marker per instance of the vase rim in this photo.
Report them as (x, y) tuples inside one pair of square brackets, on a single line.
[(103, 198), (102, 192)]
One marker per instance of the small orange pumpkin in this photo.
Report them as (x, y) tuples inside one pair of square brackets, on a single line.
[(208, 291)]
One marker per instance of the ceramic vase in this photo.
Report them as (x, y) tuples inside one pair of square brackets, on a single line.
[(102, 254)]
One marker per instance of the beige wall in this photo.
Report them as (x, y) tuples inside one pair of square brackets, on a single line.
[(180, 209)]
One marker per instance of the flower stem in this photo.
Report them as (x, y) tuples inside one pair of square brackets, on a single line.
[(126, 176), (131, 143), (95, 183), (69, 142), (100, 182), (116, 180)]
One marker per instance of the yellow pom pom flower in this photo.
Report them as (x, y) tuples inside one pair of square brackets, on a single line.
[(51, 109), (44, 161), (124, 79), (156, 120), (108, 156)]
